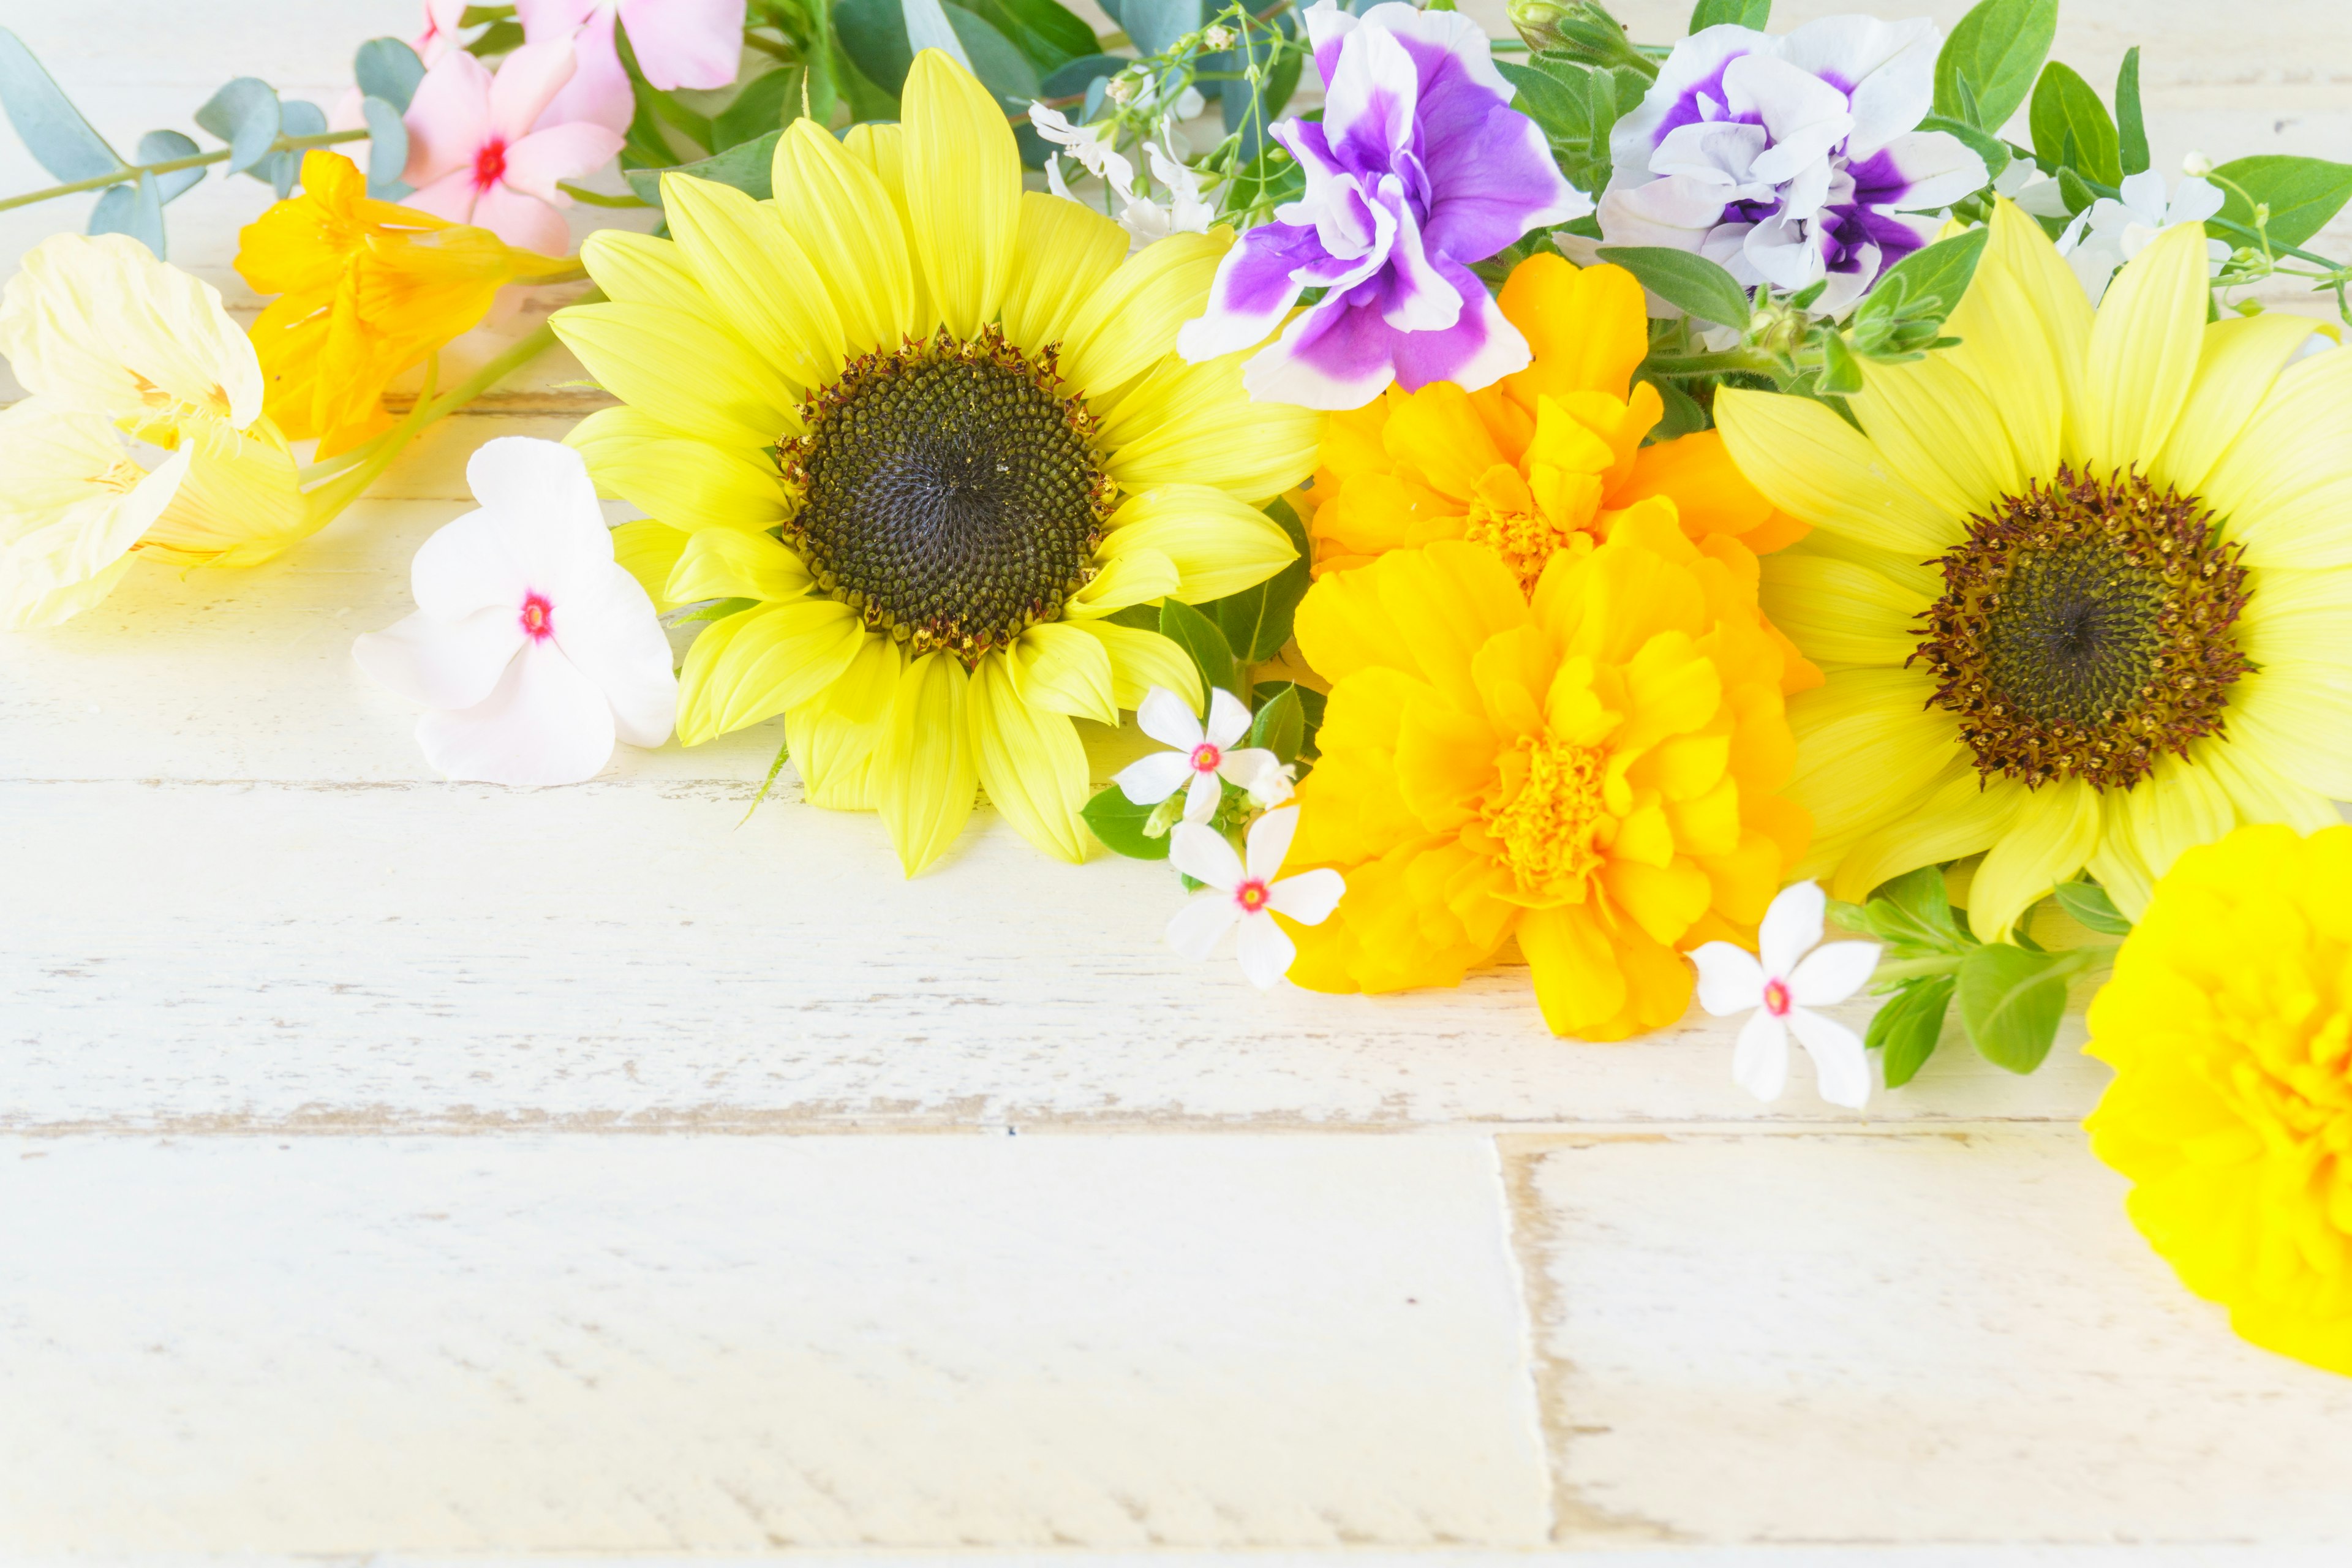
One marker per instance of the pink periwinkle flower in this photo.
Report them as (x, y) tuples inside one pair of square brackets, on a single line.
[(678, 43), (474, 158), (1419, 167), (443, 21)]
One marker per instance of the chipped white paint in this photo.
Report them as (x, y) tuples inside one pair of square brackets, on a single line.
[(320, 1232)]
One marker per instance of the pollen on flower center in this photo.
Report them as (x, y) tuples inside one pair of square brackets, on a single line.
[(950, 491), (1252, 895), (1775, 998), (1543, 813), (1526, 540), (489, 165), (2085, 630), (538, 618), (1205, 758)]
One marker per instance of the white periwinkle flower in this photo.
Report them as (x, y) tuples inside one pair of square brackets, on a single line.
[(1797, 973), (533, 648), (1089, 144), (2109, 233), (1241, 892), (1204, 755), (1186, 212)]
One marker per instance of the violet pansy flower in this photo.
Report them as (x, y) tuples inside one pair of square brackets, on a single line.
[(1793, 159), (1419, 167)]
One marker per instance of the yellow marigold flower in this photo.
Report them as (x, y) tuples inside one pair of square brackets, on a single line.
[(366, 290), (114, 344), (2228, 1024), (927, 432), (1592, 772), (2127, 637), (1541, 460)]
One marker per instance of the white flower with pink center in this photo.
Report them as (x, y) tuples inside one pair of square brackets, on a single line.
[(534, 649), (1204, 755), (1796, 972), (1245, 892)]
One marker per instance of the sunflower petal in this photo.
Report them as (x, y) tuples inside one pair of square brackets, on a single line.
[(639, 269), (2055, 830), (753, 665), (962, 178), (1816, 467), (1938, 429), (1064, 252), (1194, 424), (1058, 668), (760, 281), (1141, 660), (681, 371), (1218, 545), (838, 213), (729, 564), (925, 772), (1129, 323), (2144, 351), (2237, 363), (1030, 761)]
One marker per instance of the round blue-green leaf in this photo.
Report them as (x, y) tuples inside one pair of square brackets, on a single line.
[(136, 210), (162, 147), (60, 138), (389, 69), (246, 115), (387, 149)]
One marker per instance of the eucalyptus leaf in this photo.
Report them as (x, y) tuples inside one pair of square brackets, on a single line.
[(2011, 1001), (1201, 639), (873, 34), (1073, 76), (2302, 194), (1737, 13), (389, 69), (928, 27), (1045, 31), (1002, 68), (1906, 1029), (283, 169), (2131, 121), (2071, 127), (387, 149), (1119, 822), (1996, 49), (2090, 907), (1156, 24), (1692, 282), (135, 209), (245, 114), (163, 147), (1280, 725), (52, 129), (748, 167)]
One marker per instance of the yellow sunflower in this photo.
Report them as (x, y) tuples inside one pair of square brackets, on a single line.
[(2081, 586), (926, 432)]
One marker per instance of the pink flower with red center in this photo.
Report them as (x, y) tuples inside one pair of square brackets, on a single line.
[(474, 158), (443, 20), (1245, 892), (1204, 755), (1790, 974), (678, 43)]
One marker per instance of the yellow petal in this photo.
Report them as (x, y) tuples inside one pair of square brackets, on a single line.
[(1218, 545), (72, 508), (963, 189), (833, 755), (1818, 467), (639, 269), (1135, 575), (761, 285), (1574, 967), (2284, 486), (2055, 830), (1866, 743), (2294, 718), (1129, 323), (240, 504), (1064, 252), (1141, 660), (1059, 667), (1029, 762), (1938, 429), (882, 148), (1960, 814), (2022, 254), (753, 665), (870, 684), (1840, 613), (2238, 360), (837, 210), (2007, 352), (686, 483), (679, 370), (1194, 424), (648, 551), (729, 564), (924, 771), (2144, 351)]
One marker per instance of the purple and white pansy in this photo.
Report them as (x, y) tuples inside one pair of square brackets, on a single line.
[(1790, 159), (1419, 167)]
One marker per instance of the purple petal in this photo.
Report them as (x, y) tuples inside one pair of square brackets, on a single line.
[(1413, 297), (1369, 113), (1494, 186), (1334, 355), (1481, 348), (1259, 281), (1919, 173)]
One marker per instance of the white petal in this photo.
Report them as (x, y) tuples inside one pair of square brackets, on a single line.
[(545, 509), (466, 565), (1729, 979), (1202, 853), (1244, 767), (442, 664), (1169, 720), (1154, 778), (545, 724), (1269, 842), (1265, 951), (1198, 925), (1309, 896), (1759, 1058), (618, 642), (1228, 720), (1201, 796), (1792, 926), (1840, 1066), (1833, 972)]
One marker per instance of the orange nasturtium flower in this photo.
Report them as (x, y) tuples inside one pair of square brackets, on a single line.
[(1546, 459), (366, 290)]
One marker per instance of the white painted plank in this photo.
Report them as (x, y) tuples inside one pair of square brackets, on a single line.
[(1859, 1338), (664, 1344)]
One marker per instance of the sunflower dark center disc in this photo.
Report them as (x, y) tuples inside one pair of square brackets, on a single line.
[(2085, 630), (950, 492)]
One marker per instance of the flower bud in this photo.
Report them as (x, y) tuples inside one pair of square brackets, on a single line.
[(2196, 165), (1218, 37)]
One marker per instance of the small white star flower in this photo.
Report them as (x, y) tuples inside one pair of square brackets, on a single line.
[(1246, 893), (1204, 755), (1796, 973)]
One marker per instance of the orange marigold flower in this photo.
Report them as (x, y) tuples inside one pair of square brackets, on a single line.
[(1592, 772), (367, 289), (1541, 459)]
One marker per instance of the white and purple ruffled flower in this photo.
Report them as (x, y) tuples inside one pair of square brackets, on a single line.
[(1419, 167), (1790, 159)]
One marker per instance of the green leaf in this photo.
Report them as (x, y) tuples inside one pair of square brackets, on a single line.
[(389, 69), (1931, 281), (2071, 127), (1575, 106), (1280, 725), (2302, 194), (1913, 914), (387, 149), (1841, 372), (748, 167), (1738, 12), (1983, 144), (1996, 49), (1200, 637), (873, 34), (2010, 1002), (1002, 68), (928, 27), (1119, 823), (2089, 905), (767, 103), (502, 37), (1046, 32), (1256, 621), (2131, 124), (1907, 1028), (246, 115), (1156, 24), (53, 130), (136, 210), (1311, 706), (162, 147), (1679, 277), (283, 169)]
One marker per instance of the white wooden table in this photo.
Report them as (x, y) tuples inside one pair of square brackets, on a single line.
[(389, 1165)]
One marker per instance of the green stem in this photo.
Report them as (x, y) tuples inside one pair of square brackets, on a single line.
[(130, 172), (1911, 968), (1748, 360)]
